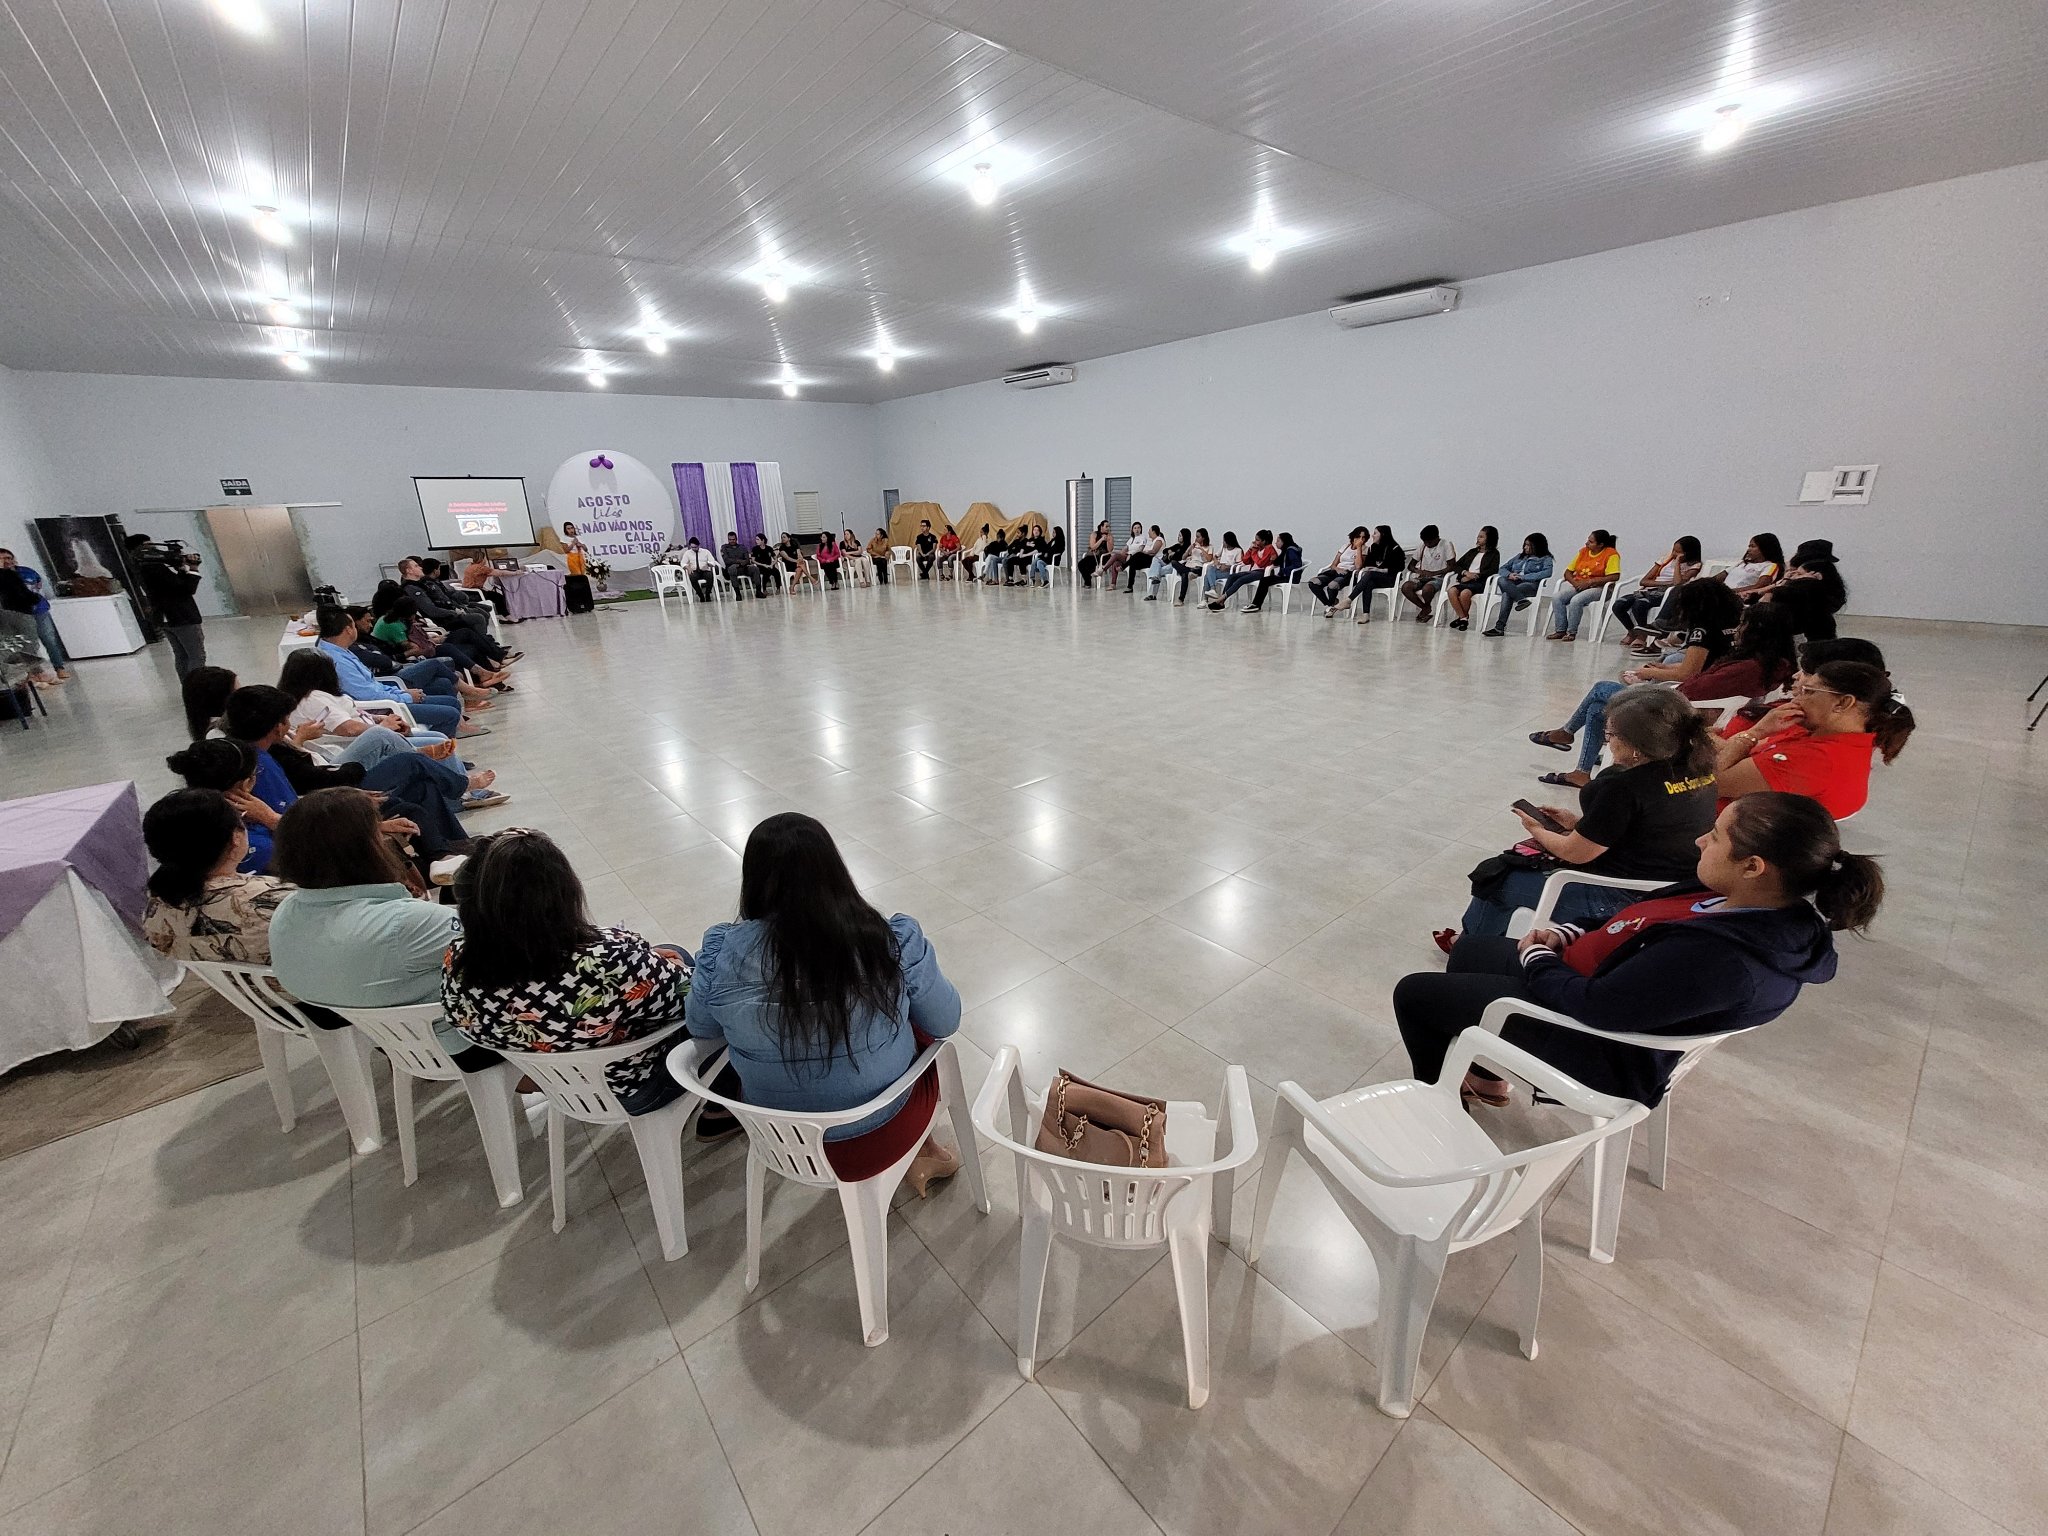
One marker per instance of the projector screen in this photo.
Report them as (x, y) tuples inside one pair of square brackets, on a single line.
[(474, 510)]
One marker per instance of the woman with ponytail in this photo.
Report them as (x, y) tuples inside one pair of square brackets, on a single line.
[(230, 767), (1820, 741), (822, 1001), (1638, 820), (1729, 949), (200, 906)]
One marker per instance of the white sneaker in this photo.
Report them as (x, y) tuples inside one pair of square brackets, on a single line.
[(442, 871)]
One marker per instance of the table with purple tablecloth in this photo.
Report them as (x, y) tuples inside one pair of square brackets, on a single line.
[(532, 594), (72, 889)]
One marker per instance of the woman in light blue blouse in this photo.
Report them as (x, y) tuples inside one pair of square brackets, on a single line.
[(823, 1003), (1520, 578)]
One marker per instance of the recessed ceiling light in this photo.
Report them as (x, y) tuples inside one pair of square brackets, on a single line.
[(657, 343), (1725, 127), (982, 186), (774, 285), (284, 314), (269, 225), (789, 388), (1262, 253), (886, 360), (296, 363), (595, 379), (277, 288), (1027, 318), (243, 16)]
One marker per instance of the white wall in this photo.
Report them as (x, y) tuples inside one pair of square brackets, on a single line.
[(129, 442), (1908, 330), (26, 480)]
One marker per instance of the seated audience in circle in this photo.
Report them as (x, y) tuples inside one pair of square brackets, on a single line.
[(1192, 559), (1385, 561), (1223, 564), (1811, 591), (827, 556), (1434, 555), (1639, 610), (1166, 562), (1468, 576), (1760, 658), (1097, 554), (1728, 949), (1132, 549), (762, 568), (1328, 584), (823, 1002), (949, 554), (370, 674), (926, 546), (1585, 579), (1284, 569), (1640, 819), (333, 727), (204, 692), (1258, 560), (736, 561), (1707, 610), (698, 564), (1520, 578), (1821, 740), (788, 556), (230, 767), (201, 905), (1762, 559), (446, 607), (878, 555), (1155, 541), (1812, 656), (1027, 559), (476, 577), (353, 934), (530, 971)]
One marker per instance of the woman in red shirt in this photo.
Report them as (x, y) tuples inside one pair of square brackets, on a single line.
[(1729, 950), (1820, 741)]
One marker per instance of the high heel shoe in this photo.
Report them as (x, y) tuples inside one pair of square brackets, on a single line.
[(931, 1166)]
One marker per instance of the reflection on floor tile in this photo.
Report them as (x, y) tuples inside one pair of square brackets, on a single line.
[(242, 1331)]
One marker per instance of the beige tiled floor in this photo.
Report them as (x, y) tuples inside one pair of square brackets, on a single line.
[(1146, 841)]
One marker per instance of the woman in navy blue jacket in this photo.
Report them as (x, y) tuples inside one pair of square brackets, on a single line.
[(1729, 951)]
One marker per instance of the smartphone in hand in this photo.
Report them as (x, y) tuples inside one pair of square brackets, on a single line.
[(1541, 817)]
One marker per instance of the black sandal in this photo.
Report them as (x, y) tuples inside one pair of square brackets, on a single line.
[(1558, 779), (1542, 739)]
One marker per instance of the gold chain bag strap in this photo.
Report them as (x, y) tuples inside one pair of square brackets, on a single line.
[(1100, 1125)]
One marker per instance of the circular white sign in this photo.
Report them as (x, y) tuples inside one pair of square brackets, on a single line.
[(624, 513)]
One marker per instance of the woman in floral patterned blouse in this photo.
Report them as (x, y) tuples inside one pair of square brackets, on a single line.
[(201, 907), (531, 972)]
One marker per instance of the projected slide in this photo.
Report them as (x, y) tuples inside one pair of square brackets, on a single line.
[(474, 510)]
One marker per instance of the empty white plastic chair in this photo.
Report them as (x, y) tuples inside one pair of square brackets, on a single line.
[(1489, 598), (667, 583), (1181, 1205), (1608, 595), (793, 1144), (406, 1037), (900, 558), (256, 991), (1420, 1180), (1610, 1158), (576, 1089)]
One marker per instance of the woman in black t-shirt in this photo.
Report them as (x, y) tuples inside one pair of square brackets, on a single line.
[(1639, 820)]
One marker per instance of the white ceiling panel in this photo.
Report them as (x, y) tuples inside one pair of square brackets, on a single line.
[(507, 192)]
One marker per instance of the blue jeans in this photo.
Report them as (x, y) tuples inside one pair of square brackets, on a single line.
[(433, 676), (371, 747), (1584, 905), (1569, 607), (53, 647), (1215, 576), (1589, 723), (1240, 578), (1511, 593)]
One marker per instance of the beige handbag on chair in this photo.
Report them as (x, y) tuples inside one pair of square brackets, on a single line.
[(1101, 1125)]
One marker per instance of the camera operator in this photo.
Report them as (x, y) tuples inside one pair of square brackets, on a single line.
[(169, 574)]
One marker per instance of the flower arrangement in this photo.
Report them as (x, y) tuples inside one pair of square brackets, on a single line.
[(599, 571)]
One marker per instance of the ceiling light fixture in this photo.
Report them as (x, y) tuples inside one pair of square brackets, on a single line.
[(886, 360), (243, 16), (789, 380), (284, 314), (657, 343), (595, 378), (982, 185), (1262, 253), (277, 288), (774, 285), (296, 363), (270, 226), (1725, 127), (288, 352)]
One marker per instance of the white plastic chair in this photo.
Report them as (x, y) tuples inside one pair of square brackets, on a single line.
[(406, 1036), (576, 1089), (1609, 594), (1489, 598), (1181, 1205), (900, 558), (398, 715), (256, 991), (1526, 919), (1420, 1180), (1610, 1163), (807, 571), (793, 1145), (668, 582), (1539, 605)]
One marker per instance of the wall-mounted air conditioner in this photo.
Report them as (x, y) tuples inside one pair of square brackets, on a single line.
[(1407, 304), (1041, 378)]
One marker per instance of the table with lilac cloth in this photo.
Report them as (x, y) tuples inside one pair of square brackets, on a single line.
[(533, 594), (72, 876)]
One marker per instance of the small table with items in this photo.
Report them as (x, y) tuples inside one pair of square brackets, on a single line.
[(532, 594), (72, 876)]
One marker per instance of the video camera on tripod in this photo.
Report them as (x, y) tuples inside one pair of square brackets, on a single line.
[(165, 552)]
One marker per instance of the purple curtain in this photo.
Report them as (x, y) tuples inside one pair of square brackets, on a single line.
[(746, 500), (696, 504)]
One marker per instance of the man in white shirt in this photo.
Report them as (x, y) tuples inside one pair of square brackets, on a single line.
[(698, 565)]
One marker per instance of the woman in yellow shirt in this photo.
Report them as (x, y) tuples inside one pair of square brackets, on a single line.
[(1591, 570)]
